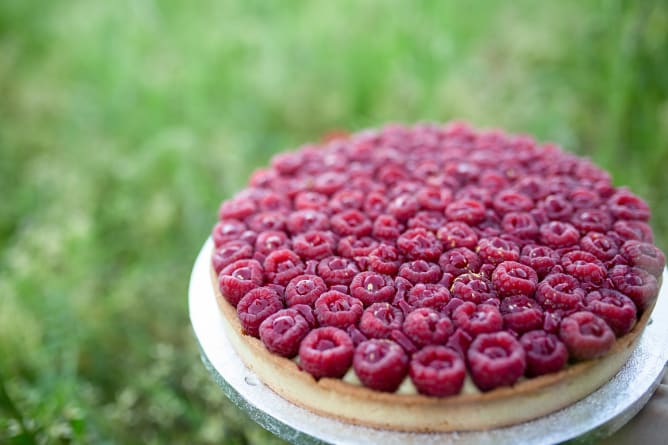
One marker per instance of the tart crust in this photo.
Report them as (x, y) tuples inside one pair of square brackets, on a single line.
[(527, 399)]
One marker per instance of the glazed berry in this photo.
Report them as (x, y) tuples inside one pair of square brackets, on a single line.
[(237, 209), (384, 259), (513, 278), (433, 198), (478, 319), (351, 222), (272, 201), (329, 183), (496, 250), (559, 291), (475, 288), (586, 335), (434, 296), (532, 186), (459, 261), (403, 207), (419, 244), (615, 308), (380, 364), (626, 205), (270, 241), (314, 245), (255, 306), (466, 211), (496, 359), (238, 278), (307, 220), (584, 266), (230, 252), (637, 230), (326, 352), (227, 230), (644, 256), (508, 201), (557, 234), (335, 308), (420, 271), (637, 284), (474, 193), (375, 204), (425, 326), (386, 228), (370, 287), (283, 265), (310, 200), (337, 270), (457, 234), (429, 220), (353, 247), (601, 246), (521, 313), (304, 289), (380, 319), (592, 220), (542, 259), (557, 208), (283, 331), (584, 198), (437, 371), (521, 225), (545, 353), (346, 200), (265, 221)]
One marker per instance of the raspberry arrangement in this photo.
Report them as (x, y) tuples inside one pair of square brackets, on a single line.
[(430, 253)]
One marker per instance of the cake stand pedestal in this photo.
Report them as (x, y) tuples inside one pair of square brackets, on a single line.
[(594, 417)]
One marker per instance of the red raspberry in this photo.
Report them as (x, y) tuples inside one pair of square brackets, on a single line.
[(335, 308), (352, 247), (637, 230), (433, 198), (236, 209), (346, 200), (310, 200), (351, 222), (227, 230), (601, 246), (644, 256), (542, 259), (545, 353), (230, 252), (314, 245), (282, 332), (255, 306), (584, 198), (556, 234), (386, 228), (384, 259), (272, 201), (592, 220), (474, 193), (380, 319), (308, 220), (337, 270), (459, 261), (508, 201), (521, 313), (466, 210), (479, 319), (370, 287), (437, 371), (283, 265), (380, 364), (512, 278), (521, 225), (496, 359), (375, 204), (329, 183), (557, 208), (584, 266), (420, 271), (626, 205), (559, 291), (402, 340), (615, 308), (238, 278), (473, 287), (403, 207), (265, 221), (586, 335), (270, 241), (425, 326), (497, 250), (434, 296), (326, 352), (419, 244), (532, 186), (304, 289), (428, 220), (637, 284), (457, 234), (287, 163)]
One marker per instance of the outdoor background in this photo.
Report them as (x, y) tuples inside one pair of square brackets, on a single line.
[(123, 124)]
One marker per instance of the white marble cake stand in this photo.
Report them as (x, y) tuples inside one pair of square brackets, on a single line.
[(594, 417)]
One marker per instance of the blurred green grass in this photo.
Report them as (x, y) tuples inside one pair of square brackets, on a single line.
[(123, 124)]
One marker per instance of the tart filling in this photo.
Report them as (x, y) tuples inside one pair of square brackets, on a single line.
[(475, 269)]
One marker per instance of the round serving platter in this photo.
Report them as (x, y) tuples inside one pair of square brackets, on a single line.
[(596, 416)]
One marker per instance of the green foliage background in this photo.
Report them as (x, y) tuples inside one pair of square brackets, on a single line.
[(123, 124)]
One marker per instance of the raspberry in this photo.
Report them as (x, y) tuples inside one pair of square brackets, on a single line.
[(346, 200), (521, 313), (230, 252), (326, 352), (265, 221), (402, 340), (556, 234), (459, 261), (637, 230), (465, 210), (337, 309), (314, 245), (532, 186), (337, 270), (370, 287), (384, 259), (428, 220), (283, 265), (497, 250), (508, 201), (352, 247), (355, 334), (626, 205), (270, 241), (329, 183), (512, 278), (310, 200), (419, 244), (586, 335), (375, 204), (227, 230), (557, 208), (403, 207), (559, 291), (272, 201), (351, 222), (386, 228), (583, 198), (592, 220), (479, 319), (425, 326), (238, 278), (255, 306), (476, 194), (420, 271), (432, 198), (584, 266), (434, 296), (542, 259), (635, 283), (380, 364), (601, 246), (282, 332), (645, 256), (496, 359), (437, 371), (304, 289), (457, 234), (521, 225), (545, 353), (236, 209), (615, 308), (473, 287), (380, 319), (307, 220)]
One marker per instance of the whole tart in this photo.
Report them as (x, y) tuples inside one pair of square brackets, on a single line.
[(434, 277)]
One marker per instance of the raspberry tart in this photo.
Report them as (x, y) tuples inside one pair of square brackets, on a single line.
[(429, 278)]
